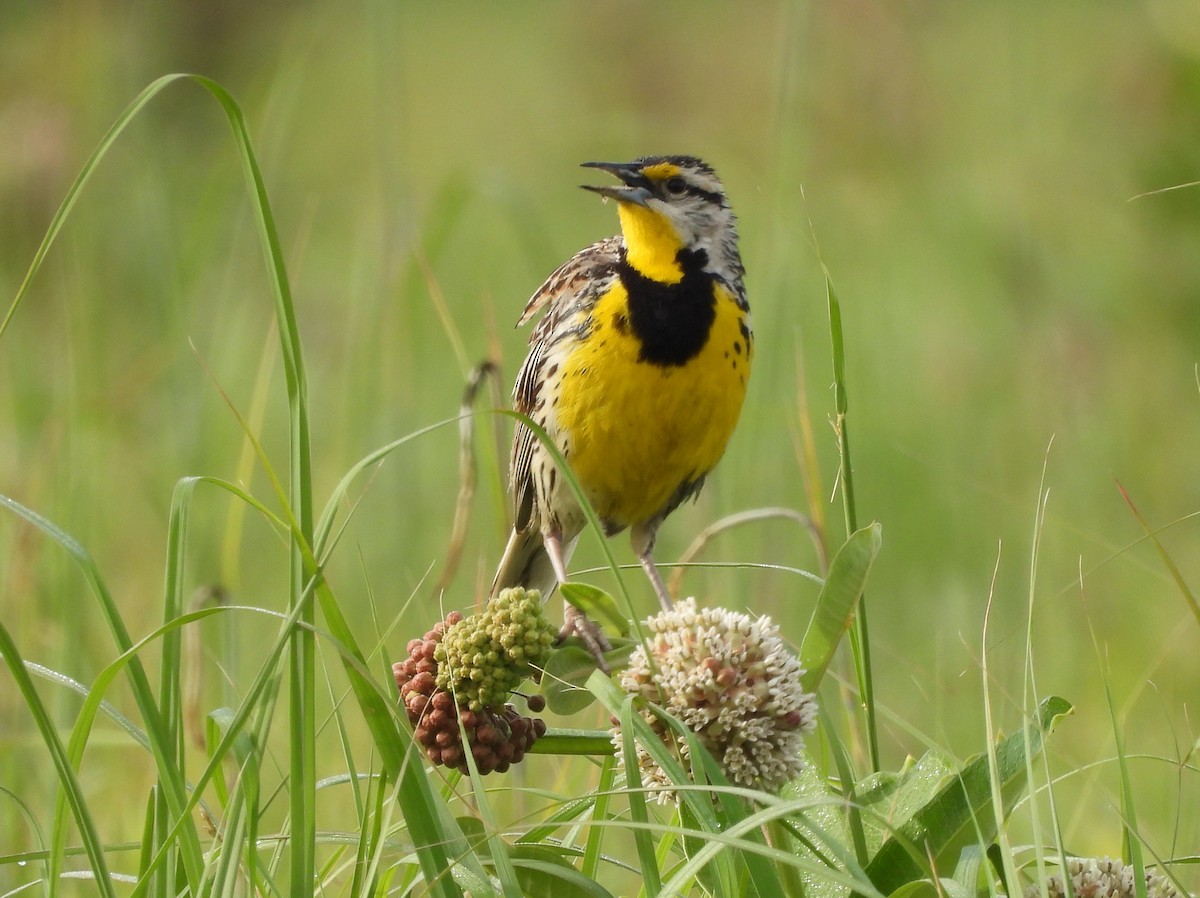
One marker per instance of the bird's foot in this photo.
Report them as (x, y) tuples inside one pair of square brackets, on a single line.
[(576, 623)]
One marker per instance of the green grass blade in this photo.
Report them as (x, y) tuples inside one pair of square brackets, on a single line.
[(841, 405), (727, 867), (285, 313), (163, 732), (94, 702), (69, 787), (859, 641), (323, 535), (131, 729), (425, 814), (790, 880), (240, 820), (85, 174), (730, 810), (1007, 867), (849, 789), (302, 657), (593, 848), (259, 697), (414, 790), (40, 854), (636, 796), (432, 828), (1131, 845), (370, 841), (151, 839), (742, 836), (1173, 569), (170, 777), (544, 874), (497, 847), (170, 690)]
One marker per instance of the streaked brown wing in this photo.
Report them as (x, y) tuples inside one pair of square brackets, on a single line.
[(567, 297)]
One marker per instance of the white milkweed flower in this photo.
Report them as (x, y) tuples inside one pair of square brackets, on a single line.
[(1102, 877), (732, 680)]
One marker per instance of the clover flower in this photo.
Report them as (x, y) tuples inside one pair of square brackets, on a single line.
[(732, 681)]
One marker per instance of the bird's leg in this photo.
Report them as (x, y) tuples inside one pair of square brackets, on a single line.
[(656, 581), (575, 622), (643, 547), (552, 540)]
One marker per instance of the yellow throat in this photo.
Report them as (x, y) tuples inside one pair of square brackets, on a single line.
[(652, 242)]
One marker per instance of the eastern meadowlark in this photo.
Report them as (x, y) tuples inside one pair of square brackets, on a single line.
[(636, 371)]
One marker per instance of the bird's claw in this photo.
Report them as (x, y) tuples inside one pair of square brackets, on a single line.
[(576, 623)]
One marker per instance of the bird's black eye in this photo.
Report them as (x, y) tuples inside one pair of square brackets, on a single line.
[(676, 186)]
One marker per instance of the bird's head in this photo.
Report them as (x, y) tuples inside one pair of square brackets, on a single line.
[(668, 204)]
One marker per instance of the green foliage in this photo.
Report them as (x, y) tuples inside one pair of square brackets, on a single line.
[(922, 820), (940, 823), (833, 613), (597, 604), (180, 844)]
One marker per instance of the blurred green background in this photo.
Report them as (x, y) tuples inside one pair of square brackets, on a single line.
[(972, 173)]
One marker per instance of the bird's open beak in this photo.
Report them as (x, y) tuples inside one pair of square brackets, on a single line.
[(636, 189)]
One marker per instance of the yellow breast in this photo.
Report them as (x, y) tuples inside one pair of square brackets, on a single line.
[(638, 430)]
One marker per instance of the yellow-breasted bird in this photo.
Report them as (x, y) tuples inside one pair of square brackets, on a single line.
[(637, 371)]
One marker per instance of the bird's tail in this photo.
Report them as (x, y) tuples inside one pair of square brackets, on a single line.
[(527, 564)]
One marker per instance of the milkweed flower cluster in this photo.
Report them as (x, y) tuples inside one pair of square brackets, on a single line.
[(457, 677), (484, 657), (730, 679), (1102, 877)]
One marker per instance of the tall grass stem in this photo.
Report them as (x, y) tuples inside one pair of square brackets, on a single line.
[(859, 640)]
